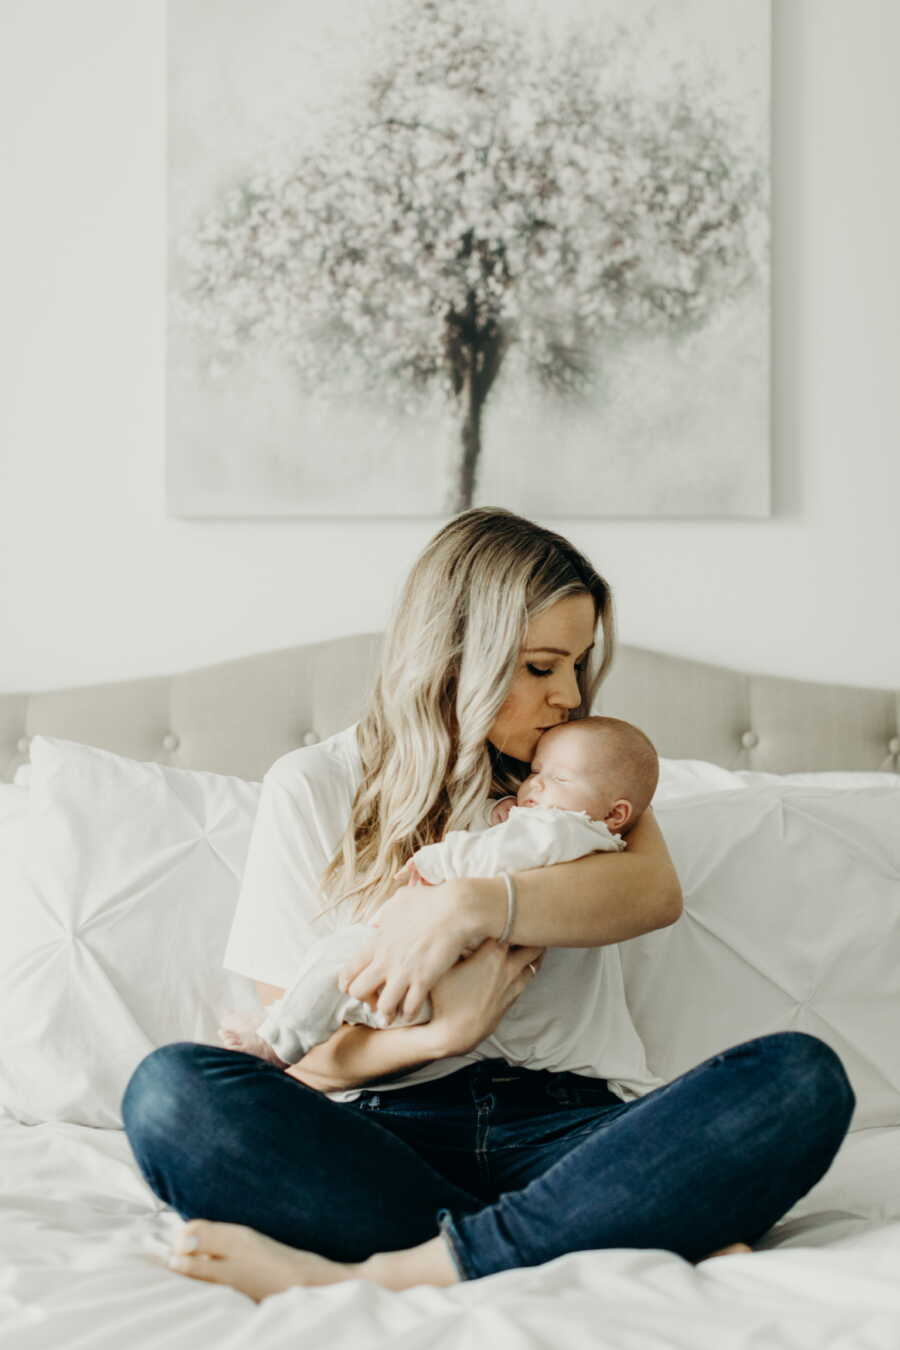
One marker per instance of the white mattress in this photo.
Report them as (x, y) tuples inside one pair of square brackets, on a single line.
[(84, 1242)]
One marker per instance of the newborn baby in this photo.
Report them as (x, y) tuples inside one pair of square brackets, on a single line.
[(591, 781)]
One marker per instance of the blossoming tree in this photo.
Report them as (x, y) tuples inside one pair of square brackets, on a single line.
[(487, 196)]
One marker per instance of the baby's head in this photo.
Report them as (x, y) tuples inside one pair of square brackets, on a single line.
[(600, 765)]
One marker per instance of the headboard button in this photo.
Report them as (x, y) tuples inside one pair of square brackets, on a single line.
[(894, 745), (22, 744), (170, 741), (310, 738), (749, 740)]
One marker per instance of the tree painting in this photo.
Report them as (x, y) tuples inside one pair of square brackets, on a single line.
[(490, 202)]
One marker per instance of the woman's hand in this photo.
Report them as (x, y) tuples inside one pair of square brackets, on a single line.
[(419, 938), (471, 998)]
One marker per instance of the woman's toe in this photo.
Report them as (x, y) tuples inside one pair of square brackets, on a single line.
[(199, 1236), (202, 1249)]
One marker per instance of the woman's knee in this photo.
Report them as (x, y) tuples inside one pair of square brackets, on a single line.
[(807, 1067), (156, 1089)]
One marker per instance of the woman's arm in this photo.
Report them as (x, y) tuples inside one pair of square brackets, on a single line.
[(355, 1055), (467, 1003), (267, 992), (589, 902)]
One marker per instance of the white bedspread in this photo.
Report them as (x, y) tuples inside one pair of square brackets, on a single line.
[(84, 1242)]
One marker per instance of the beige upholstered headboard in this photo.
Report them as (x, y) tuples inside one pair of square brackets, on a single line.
[(238, 716)]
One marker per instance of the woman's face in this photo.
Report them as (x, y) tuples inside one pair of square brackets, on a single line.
[(536, 699)]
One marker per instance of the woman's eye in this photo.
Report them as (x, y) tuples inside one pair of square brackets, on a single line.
[(536, 670)]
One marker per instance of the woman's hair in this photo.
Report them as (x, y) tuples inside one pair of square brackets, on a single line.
[(450, 651)]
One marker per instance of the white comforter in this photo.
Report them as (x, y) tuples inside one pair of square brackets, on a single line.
[(84, 1243)]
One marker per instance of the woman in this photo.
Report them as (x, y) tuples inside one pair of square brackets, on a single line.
[(452, 1162)]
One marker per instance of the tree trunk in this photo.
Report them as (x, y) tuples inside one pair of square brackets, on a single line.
[(476, 362), (470, 438)]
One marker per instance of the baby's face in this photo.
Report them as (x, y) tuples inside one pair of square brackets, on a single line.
[(565, 773)]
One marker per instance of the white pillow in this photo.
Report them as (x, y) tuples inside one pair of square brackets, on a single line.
[(863, 1180), (13, 819), (112, 938), (13, 798), (791, 921), (688, 777), (13, 816)]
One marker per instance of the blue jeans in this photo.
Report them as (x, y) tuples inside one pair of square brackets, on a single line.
[(514, 1166)]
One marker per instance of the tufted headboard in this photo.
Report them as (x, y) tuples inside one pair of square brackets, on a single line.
[(238, 716)]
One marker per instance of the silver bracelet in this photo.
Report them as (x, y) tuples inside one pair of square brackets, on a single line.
[(510, 906)]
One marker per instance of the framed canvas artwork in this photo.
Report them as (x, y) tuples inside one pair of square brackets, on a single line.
[(431, 254)]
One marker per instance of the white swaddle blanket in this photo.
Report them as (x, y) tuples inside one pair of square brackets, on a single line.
[(313, 1008)]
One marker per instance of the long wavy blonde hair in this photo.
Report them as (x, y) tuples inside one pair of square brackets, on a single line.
[(450, 651)]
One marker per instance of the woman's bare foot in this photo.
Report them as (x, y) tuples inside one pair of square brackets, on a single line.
[(251, 1262), (258, 1266), (726, 1251)]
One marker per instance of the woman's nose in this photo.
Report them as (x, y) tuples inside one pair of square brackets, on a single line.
[(567, 693)]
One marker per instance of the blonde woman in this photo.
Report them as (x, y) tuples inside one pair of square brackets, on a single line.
[(521, 1122)]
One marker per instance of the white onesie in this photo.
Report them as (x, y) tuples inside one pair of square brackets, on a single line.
[(313, 1008)]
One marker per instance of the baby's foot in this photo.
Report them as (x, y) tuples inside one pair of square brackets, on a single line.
[(250, 1044), (238, 1032), (251, 1262)]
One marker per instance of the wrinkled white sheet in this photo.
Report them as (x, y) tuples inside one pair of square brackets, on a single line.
[(83, 1243)]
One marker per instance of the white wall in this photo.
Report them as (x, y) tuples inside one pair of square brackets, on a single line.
[(96, 583)]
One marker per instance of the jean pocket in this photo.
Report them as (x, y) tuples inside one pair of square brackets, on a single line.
[(574, 1089)]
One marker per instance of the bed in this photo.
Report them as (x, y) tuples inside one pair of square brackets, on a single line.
[(125, 811)]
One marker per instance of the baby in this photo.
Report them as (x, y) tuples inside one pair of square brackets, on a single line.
[(590, 783)]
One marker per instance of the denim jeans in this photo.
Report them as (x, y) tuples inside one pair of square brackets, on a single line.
[(513, 1166)]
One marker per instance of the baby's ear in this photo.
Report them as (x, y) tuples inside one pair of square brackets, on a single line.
[(500, 810), (619, 816)]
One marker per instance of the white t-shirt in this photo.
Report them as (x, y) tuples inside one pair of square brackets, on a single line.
[(572, 1016)]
